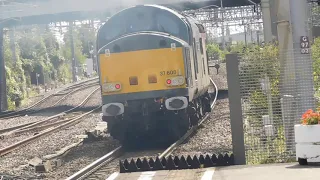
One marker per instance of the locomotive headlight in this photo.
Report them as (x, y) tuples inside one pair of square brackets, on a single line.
[(111, 87), (175, 81)]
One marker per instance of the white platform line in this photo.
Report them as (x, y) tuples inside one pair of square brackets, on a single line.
[(208, 175), (147, 175), (113, 176)]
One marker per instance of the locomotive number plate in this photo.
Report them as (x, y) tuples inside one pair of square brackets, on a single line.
[(170, 72)]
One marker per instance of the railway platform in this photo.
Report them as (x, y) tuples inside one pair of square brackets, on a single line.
[(292, 171)]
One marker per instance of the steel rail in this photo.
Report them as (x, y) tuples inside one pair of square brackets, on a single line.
[(32, 127), (10, 148), (22, 113), (96, 165), (28, 125)]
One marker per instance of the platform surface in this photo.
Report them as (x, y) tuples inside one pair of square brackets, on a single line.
[(291, 171)]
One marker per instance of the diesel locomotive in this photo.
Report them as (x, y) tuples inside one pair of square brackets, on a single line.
[(153, 70)]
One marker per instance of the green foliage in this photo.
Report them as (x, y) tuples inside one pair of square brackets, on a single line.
[(265, 150), (38, 50), (261, 65), (315, 49), (78, 49)]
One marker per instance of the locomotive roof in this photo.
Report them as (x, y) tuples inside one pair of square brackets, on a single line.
[(178, 14)]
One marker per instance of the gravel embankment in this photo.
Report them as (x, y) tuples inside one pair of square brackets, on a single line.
[(16, 162), (82, 156), (213, 137), (215, 134)]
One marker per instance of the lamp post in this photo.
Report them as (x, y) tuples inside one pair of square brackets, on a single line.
[(37, 77)]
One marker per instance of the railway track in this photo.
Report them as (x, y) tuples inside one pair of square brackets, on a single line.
[(53, 123), (32, 124), (65, 92), (98, 168)]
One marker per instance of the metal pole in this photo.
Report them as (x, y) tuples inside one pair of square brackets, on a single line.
[(235, 107), (37, 78), (3, 82), (267, 29), (74, 79), (222, 25), (302, 58)]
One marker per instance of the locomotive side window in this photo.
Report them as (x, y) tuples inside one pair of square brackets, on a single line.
[(201, 45), (204, 69), (201, 28), (201, 50), (195, 59), (207, 61)]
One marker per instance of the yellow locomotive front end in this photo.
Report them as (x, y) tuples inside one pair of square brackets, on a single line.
[(142, 70), (143, 67)]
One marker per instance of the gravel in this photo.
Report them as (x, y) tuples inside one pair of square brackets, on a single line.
[(213, 137), (74, 99), (14, 163), (68, 103), (8, 123), (82, 156), (7, 141), (221, 78)]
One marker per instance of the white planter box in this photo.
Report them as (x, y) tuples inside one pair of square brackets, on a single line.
[(307, 138)]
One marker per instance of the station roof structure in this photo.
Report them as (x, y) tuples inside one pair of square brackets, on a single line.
[(27, 12)]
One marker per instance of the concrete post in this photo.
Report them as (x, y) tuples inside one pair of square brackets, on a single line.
[(267, 27), (3, 82), (235, 108), (222, 25), (300, 15), (274, 11)]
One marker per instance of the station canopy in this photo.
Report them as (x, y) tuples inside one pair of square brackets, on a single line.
[(179, 5)]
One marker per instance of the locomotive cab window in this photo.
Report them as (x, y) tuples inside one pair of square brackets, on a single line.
[(166, 24)]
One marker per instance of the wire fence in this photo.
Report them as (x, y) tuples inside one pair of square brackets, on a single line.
[(276, 88)]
